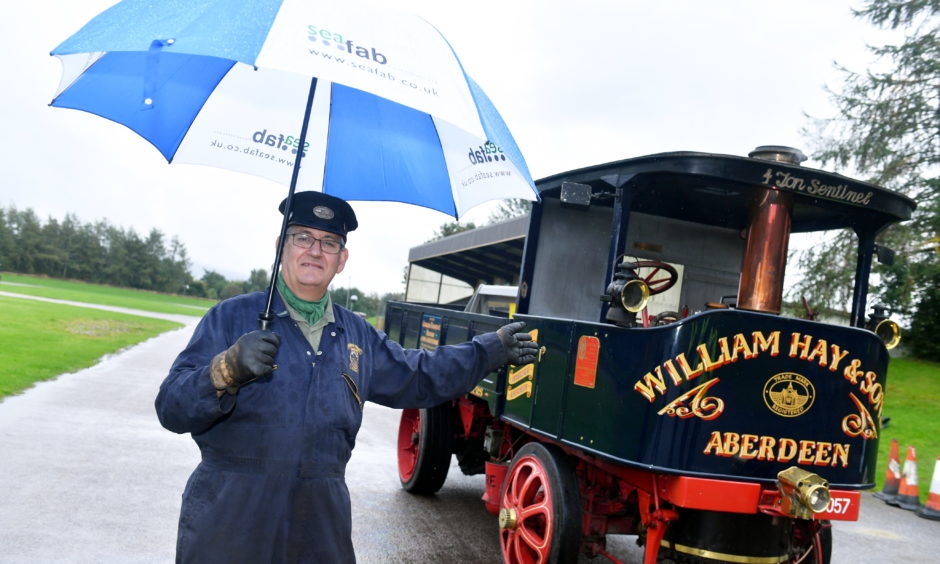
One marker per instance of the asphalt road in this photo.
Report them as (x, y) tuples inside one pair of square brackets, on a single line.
[(88, 475)]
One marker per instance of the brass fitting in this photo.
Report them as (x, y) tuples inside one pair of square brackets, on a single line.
[(507, 518), (802, 493)]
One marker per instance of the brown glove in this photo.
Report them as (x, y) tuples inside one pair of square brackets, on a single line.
[(250, 358)]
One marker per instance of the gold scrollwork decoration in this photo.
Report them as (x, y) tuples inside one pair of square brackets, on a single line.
[(859, 424), (706, 408), (514, 391)]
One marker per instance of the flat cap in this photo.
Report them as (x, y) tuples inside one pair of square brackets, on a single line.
[(321, 211)]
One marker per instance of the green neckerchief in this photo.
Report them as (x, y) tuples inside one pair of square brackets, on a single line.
[(310, 311)]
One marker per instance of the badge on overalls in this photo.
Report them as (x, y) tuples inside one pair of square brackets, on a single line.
[(354, 354)]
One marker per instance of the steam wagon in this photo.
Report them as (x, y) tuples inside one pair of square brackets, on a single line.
[(672, 398)]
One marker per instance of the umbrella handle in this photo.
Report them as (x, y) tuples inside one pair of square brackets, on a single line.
[(266, 317), (264, 320)]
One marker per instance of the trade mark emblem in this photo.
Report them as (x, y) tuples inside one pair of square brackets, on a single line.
[(323, 212), (789, 394), (355, 353)]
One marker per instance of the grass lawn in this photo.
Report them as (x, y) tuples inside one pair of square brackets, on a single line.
[(40, 340), (107, 295), (912, 401)]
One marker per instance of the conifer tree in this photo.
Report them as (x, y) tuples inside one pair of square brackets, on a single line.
[(888, 131)]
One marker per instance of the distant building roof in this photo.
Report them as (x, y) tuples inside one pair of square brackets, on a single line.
[(486, 255)]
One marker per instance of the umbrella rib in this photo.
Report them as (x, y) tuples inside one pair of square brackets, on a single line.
[(454, 192), (183, 133)]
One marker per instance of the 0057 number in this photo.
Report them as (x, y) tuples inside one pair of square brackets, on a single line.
[(843, 506), (838, 505)]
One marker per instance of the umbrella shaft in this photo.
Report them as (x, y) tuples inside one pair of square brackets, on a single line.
[(265, 318)]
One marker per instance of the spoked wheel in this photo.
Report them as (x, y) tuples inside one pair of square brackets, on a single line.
[(824, 538), (540, 508), (819, 550), (659, 276), (424, 447), (823, 543)]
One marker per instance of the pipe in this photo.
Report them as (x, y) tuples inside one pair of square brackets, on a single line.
[(765, 255), (768, 236)]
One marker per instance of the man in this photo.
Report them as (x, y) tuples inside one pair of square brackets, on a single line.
[(275, 413)]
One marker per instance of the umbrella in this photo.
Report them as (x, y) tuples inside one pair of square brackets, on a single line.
[(354, 100)]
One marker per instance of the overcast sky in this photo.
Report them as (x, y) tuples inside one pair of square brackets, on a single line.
[(578, 83)]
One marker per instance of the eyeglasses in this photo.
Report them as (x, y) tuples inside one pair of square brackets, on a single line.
[(305, 240)]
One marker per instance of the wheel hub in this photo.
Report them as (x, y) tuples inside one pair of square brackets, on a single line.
[(507, 518)]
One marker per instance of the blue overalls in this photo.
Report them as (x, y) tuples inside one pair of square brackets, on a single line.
[(270, 487)]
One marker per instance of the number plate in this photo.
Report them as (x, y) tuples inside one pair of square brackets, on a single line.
[(843, 506)]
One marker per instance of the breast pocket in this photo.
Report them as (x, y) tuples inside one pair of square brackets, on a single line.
[(343, 400)]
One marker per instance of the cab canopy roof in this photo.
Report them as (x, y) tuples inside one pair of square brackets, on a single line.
[(719, 189)]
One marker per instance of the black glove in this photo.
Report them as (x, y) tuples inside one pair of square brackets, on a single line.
[(520, 348), (250, 358)]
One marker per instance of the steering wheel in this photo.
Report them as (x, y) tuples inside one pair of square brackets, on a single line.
[(665, 318), (662, 277)]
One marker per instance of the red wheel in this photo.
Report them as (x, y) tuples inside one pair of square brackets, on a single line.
[(409, 429), (816, 542), (424, 448), (824, 543), (661, 276), (540, 508)]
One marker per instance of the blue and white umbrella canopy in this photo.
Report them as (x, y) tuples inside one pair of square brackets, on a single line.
[(394, 117)]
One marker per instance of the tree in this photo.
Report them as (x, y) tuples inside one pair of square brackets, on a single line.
[(451, 228), (27, 234), (347, 297), (215, 283), (509, 209), (888, 129), (117, 270), (925, 326), (197, 288), (85, 256), (104, 254), (231, 289), (48, 255), (7, 242), (257, 280), (175, 268)]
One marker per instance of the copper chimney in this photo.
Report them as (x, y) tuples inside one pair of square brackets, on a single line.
[(768, 235)]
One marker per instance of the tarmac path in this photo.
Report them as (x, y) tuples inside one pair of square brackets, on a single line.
[(88, 475), (185, 319)]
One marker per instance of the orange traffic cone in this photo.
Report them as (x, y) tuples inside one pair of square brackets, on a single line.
[(908, 496), (892, 475), (931, 509)]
